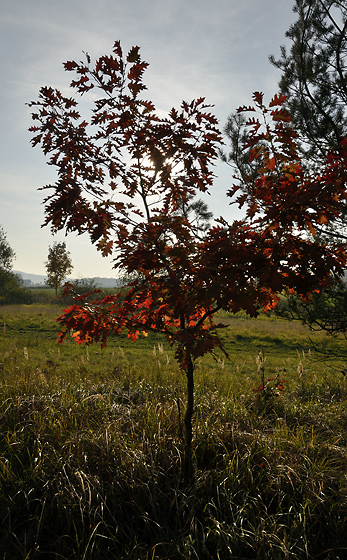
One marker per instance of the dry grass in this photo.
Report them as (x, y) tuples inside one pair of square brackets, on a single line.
[(91, 448)]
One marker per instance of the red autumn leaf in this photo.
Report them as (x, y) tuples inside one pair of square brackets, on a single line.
[(133, 55), (70, 65), (271, 164), (278, 99)]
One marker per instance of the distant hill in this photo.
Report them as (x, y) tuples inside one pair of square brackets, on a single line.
[(33, 278), (106, 282), (37, 279)]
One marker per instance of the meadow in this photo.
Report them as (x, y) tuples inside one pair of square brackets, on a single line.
[(91, 445)]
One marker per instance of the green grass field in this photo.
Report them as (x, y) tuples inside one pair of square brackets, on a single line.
[(91, 446)]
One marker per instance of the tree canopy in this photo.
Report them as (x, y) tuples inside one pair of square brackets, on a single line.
[(314, 75), (314, 81), (58, 265), (129, 177), (7, 254)]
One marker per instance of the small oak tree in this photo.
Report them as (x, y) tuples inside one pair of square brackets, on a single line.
[(129, 177), (58, 265)]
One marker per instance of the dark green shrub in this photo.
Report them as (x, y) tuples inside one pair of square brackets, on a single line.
[(11, 288)]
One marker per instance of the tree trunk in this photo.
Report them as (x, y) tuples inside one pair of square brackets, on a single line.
[(188, 418)]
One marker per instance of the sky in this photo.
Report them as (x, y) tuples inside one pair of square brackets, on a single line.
[(196, 48)]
